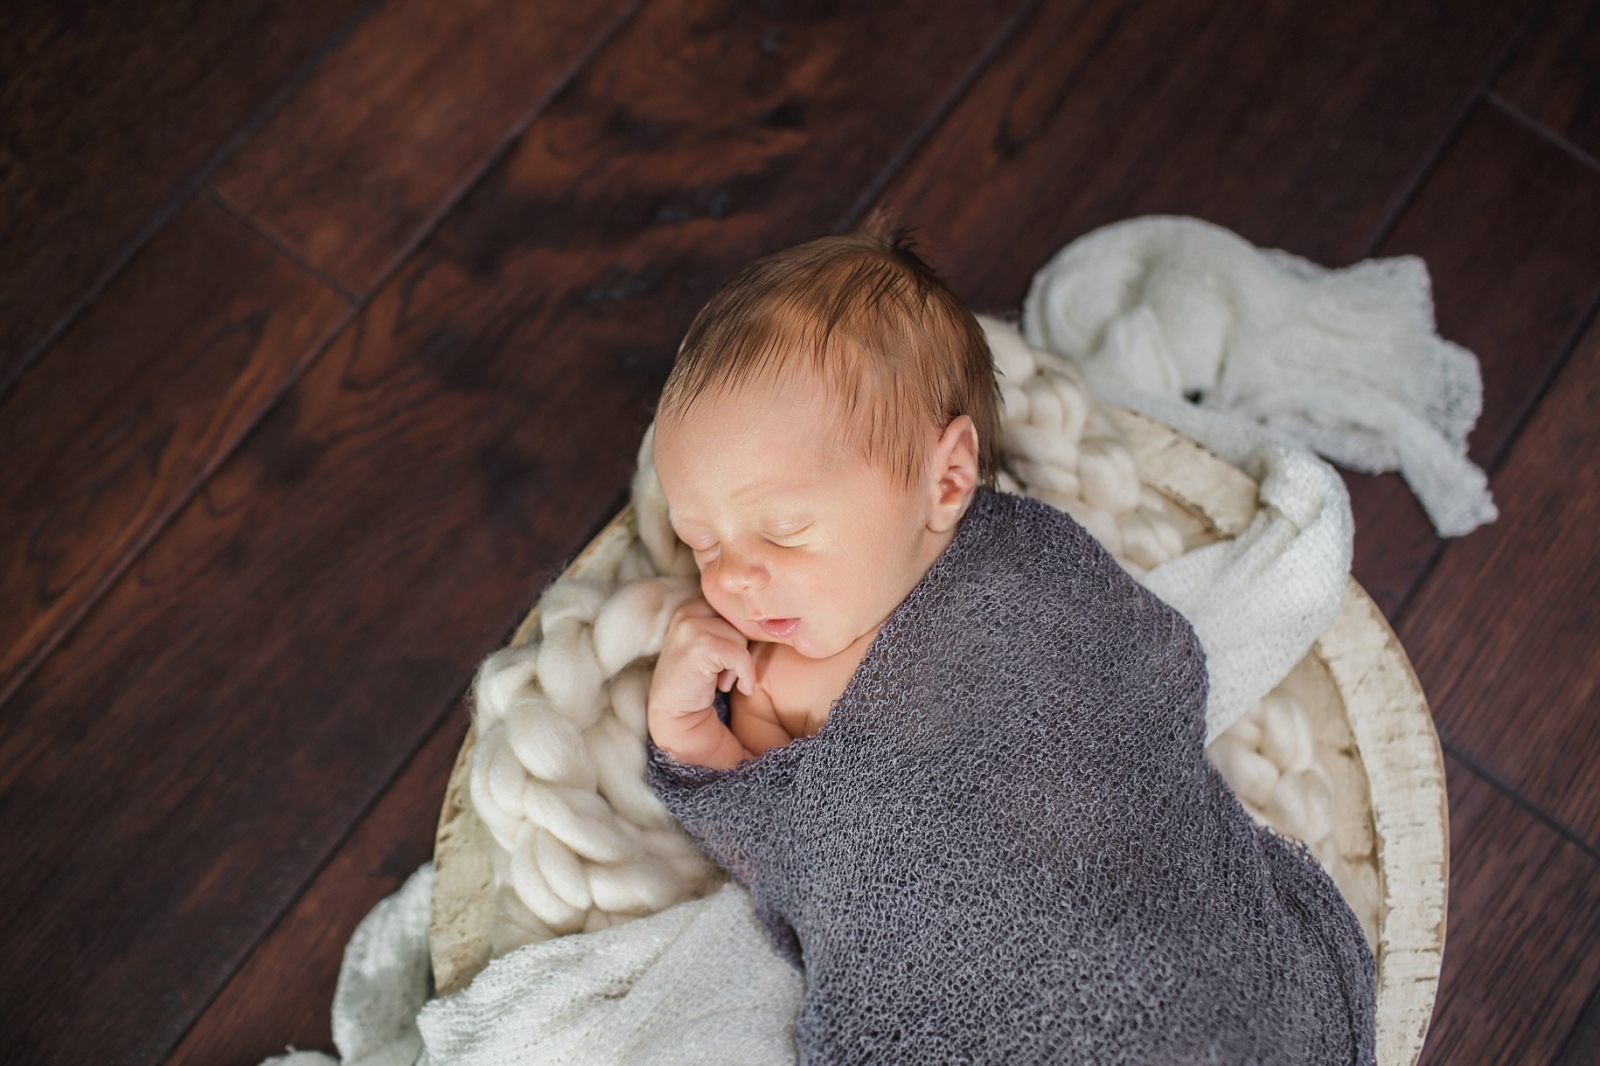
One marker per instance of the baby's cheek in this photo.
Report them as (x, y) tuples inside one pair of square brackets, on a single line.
[(720, 601), (713, 594)]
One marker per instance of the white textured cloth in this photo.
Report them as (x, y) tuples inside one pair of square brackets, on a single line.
[(1259, 601), (622, 995), (1344, 362), (695, 985)]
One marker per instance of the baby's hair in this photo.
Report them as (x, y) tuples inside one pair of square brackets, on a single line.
[(895, 348)]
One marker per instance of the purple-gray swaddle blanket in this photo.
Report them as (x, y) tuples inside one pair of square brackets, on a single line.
[(1006, 846)]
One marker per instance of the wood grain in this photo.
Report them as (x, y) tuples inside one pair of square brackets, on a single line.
[(134, 406), (178, 768), (1514, 286), (282, 995), (1555, 78), (1298, 126), (372, 147), (1520, 960), (1503, 631), (108, 114)]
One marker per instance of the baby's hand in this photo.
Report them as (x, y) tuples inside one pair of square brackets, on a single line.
[(702, 653)]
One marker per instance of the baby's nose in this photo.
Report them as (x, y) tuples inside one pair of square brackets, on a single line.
[(741, 574)]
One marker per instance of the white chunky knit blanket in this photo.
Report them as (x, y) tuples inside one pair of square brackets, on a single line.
[(558, 774)]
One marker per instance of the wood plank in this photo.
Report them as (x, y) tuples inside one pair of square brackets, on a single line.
[(1555, 78), (194, 749), (108, 115), (1503, 631), (281, 996), (1522, 951), (1514, 287), (356, 166), (133, 407), (1299, 127)]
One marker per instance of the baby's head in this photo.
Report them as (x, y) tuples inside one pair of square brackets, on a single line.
[(831, 411)]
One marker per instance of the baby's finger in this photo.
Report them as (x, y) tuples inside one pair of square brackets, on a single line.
[(695, 607), (725, 680), (743, 668)]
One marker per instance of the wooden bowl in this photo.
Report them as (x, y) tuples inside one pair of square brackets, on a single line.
[(1357, 676)]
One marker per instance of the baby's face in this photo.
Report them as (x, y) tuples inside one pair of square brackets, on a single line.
[(798, 540)]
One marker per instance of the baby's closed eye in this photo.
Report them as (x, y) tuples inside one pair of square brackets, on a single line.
[(788, 535)]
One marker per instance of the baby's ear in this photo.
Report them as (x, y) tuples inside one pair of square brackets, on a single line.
[(953, 477)]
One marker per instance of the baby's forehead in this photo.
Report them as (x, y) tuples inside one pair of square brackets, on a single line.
[(746, 439)]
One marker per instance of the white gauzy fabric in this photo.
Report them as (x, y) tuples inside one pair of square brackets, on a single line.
[(1345, 362), (697, 984), (622, 995)]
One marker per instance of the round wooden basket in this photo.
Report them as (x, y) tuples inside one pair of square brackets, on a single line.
[(1373, 720)]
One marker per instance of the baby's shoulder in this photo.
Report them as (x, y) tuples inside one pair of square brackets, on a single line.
[(1024, 542)]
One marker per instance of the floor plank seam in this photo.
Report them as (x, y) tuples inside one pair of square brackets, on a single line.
[(1543, 132), (921, 135), (1568, 834), (1530, 405), (441, 722), (186, 193), (503, 146), (214, 195), (160, 523), (1454, 129), (352, 314)]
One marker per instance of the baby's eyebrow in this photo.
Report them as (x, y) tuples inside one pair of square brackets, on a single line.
[(681, 525)]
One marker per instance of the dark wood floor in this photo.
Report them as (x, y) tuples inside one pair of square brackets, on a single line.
[(328, 329)]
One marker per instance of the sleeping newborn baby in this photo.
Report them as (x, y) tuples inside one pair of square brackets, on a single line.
[(952, 749)]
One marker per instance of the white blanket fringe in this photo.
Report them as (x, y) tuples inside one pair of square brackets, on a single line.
[(1281, 352), (1344, 362)]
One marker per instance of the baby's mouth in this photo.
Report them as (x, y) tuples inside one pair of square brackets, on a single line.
[(779, 628)]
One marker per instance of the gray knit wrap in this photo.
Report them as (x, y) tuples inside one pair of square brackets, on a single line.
[(1006, 845)]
